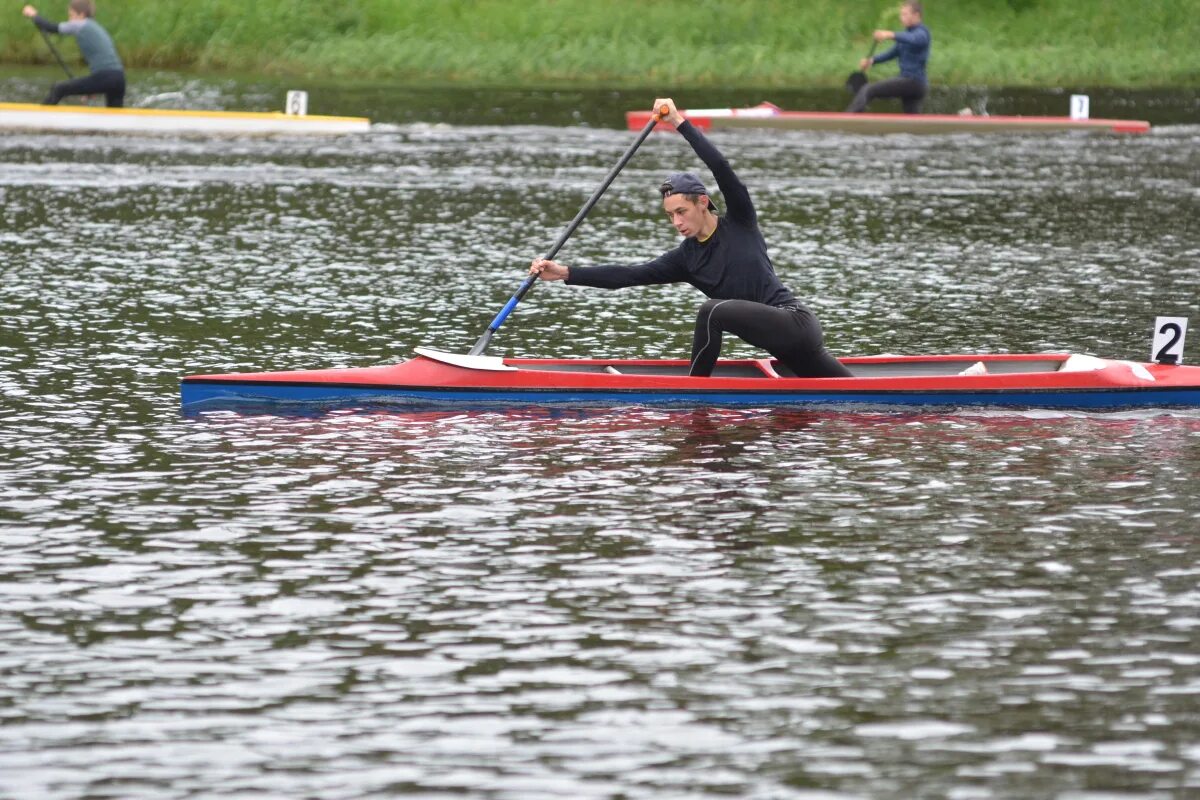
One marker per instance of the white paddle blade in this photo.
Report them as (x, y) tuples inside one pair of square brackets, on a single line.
[(491, 363)]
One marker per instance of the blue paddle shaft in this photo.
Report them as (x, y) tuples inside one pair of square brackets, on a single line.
[(511, 304), (482, 343)]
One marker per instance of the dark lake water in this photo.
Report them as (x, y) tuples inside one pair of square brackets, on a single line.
[(629, 603)]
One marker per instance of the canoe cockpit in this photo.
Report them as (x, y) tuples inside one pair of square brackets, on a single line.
[(769, 368)]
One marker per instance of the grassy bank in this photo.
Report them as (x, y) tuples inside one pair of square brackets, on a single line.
[(660, 43)]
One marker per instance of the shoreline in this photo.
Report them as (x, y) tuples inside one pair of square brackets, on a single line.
[(48, 68), (600, 107), (672, 44)]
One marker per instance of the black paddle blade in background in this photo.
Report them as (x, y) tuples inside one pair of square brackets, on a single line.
[(858, 79)]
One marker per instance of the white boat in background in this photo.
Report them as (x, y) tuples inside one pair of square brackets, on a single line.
[(95, 119)]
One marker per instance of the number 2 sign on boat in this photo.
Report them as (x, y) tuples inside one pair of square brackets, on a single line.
[(1168, 340)]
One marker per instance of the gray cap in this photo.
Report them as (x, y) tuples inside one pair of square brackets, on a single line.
[(684, 183)]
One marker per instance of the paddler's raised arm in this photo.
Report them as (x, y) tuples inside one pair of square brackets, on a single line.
[(39, 20), (738, 205)]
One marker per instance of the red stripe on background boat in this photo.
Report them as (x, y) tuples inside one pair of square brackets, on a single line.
[(768, 115), (434, 378)]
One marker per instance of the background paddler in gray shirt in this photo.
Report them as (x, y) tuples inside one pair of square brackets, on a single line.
[(107, 73)]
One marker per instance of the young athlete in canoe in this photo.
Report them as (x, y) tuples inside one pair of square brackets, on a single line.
[(107, 73), (912, 49), (725, 257)]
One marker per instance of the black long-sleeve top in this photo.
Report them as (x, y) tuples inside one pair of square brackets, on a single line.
[(732, 264)]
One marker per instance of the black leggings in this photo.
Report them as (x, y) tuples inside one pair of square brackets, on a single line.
[(911, 94), (108, 82), (790, 333)]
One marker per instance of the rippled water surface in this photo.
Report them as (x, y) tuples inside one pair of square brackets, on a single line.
[(628, 603)]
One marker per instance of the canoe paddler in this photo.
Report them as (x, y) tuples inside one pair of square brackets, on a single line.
[(911, 48), (725, 257), (107, 73)]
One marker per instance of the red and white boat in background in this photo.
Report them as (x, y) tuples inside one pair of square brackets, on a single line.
[(769, 115)]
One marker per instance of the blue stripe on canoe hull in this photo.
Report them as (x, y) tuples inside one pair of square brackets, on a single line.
[(199, 396)]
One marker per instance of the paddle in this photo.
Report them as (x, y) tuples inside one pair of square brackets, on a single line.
[(858, 79), (482, 343), (54, 50)]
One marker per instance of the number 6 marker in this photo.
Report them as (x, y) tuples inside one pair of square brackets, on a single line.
[(1168, 340)]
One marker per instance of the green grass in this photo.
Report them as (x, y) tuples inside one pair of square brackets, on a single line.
[(660, 43)]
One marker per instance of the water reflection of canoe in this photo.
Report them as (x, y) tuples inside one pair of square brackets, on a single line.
[(434, 378), (91, 119), (767, 115)]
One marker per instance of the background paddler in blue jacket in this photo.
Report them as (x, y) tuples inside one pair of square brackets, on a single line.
[(911, 48)]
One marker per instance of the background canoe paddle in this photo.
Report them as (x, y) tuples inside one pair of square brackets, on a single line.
[(54, 50), (858, 79), (482, 343)]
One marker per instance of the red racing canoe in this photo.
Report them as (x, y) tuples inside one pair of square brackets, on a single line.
[(434, 378)]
